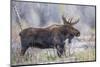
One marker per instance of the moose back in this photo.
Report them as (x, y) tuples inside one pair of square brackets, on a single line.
[(50, 37)]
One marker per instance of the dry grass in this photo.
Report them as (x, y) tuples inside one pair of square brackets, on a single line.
[(87, 55), (43, 57)]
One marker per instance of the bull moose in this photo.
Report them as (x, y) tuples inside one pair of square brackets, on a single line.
[(49, 37)]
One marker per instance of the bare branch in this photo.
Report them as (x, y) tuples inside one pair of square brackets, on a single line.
[(19, 18)]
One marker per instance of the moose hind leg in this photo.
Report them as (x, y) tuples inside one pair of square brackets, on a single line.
[(23, 50), (24, 45)]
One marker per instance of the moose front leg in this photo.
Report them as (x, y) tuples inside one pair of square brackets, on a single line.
[(69, 44), (70, 38), (59, 44), (60, 49)]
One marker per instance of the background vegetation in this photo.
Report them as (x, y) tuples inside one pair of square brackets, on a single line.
[(43, 15)]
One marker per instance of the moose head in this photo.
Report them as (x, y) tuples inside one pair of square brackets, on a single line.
[(71, 31)]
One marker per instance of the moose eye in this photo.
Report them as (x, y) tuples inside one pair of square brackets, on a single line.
[(78, 34)]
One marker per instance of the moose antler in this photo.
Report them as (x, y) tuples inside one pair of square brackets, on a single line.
[(69, 21), (64, 19), (75, 22)]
